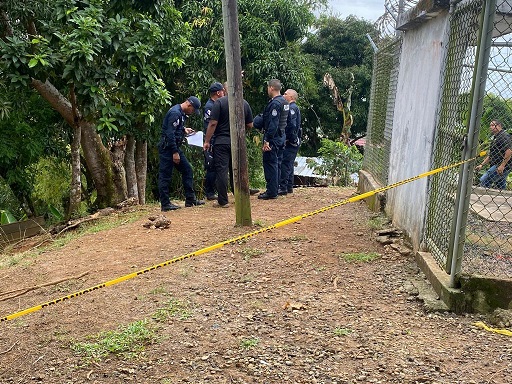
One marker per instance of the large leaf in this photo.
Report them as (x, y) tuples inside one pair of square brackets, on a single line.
[(6, 217)]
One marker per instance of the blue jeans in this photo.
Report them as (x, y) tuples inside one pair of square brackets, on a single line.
[(165, 175), (492, 177)]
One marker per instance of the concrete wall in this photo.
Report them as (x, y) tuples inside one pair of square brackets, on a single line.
[(414, 123)]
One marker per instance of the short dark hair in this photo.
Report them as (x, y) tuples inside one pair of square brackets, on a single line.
[(276, 84), (497, 122)]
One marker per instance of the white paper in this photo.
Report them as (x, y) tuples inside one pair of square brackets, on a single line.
[(196, 139)]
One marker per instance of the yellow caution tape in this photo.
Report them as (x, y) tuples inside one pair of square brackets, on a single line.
[(231, 241), (505, 332)]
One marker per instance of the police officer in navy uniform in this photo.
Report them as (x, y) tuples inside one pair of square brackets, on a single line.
[(216, 91), (220, 130), (274, 124), (171, 156), (293, 136)]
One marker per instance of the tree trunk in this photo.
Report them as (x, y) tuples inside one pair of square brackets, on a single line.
[(129, 166), (117, 152), (75, 196), (141, 167), (97, 157)]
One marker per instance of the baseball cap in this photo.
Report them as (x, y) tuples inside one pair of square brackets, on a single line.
[(215, 87), (195, 103)]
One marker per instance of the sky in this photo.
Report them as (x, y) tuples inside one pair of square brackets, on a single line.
[(366, 9)]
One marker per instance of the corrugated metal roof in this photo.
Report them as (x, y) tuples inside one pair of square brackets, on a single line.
[(302, 167)]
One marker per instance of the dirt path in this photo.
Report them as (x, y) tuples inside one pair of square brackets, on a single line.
[(285, 306)]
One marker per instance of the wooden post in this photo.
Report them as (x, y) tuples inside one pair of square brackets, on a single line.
[(236, 112)]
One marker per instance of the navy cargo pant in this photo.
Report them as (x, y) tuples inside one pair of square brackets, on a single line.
[(287, 167), (271, 169), (165, 175)]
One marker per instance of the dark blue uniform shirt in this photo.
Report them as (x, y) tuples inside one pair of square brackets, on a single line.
[(274, 117), (173, 128), (293, 127)]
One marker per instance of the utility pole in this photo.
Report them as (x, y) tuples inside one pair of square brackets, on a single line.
[(236, 112)]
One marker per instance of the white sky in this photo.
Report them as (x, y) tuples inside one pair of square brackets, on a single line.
[(369, 10)]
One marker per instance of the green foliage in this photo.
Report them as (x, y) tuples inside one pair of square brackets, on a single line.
[(51, 185), (339, 161), (342, 331), (128, 341), (248, 253), (339, 47), (6, 217), (378, 222), (360, 257), (27, 132), (173, 308), (249, 343)]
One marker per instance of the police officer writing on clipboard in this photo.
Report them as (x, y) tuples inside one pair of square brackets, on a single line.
[(171, 156)]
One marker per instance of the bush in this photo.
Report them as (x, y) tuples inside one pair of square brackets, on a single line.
[(339, 161)]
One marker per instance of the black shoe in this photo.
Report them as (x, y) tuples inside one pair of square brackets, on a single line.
[(211, 197), (253, 191), (170, 207), (191, 203), (265, 196), (290, 190), (282, 192)]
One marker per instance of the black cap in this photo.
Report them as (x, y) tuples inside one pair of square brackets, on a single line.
[(196, 104), (215, 87)]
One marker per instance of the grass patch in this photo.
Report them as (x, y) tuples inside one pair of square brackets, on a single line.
[(296, 238), (360, 257), (24, 258), (259, 223), (158, 291), (378, 222), (173, 308), (342, 331), (127, 341), (249, 343), (250, 252), (247, 278)]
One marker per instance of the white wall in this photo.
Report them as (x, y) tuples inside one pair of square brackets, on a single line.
[(414, 123)]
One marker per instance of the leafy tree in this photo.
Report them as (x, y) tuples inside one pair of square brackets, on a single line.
[(101, 65), (341, 48), (29, 129)]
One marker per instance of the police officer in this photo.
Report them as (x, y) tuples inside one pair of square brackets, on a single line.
[(171, 156), (219, 128), (216, 91), (274, 124), (292, 143)]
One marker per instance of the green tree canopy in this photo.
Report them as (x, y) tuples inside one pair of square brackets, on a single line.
[(339, 47)]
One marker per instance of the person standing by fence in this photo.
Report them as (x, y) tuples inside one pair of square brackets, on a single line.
[(498, 157)]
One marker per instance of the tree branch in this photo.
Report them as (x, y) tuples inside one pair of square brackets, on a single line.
[(22, 291)]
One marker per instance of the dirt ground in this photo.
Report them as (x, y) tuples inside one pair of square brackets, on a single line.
[(284, 306)]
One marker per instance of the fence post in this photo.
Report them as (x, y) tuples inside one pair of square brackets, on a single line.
[(470, 146)]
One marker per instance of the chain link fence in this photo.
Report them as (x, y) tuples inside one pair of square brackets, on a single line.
[(468, 225), (472, 225), (451, 130), (380, 117), (488, 240)]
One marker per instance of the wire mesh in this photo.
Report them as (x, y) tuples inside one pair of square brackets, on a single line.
[(386, 23), (380, 117), (451, 129), (488, 242)]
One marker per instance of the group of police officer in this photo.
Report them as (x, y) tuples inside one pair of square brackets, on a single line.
[(280, 124)]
